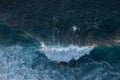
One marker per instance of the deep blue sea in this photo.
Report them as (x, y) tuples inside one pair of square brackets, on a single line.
[(60, 40)]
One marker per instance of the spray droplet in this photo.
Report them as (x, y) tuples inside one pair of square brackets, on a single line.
[(74, 28)]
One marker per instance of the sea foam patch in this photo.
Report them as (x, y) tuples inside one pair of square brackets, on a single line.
[(65, 54)]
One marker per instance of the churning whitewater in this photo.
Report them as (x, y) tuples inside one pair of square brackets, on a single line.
[(65, 54)]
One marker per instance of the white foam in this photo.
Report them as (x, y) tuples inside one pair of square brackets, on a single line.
[(74, 28), (65, 54), (15, 62)]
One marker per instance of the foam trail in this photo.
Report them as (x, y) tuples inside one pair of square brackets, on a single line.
[(15, 63), (65, 54)]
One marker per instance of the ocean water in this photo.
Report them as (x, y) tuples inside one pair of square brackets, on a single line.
[(28, 59), (59, 40)]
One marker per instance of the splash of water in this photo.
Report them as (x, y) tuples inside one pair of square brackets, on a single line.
[(65, 54)]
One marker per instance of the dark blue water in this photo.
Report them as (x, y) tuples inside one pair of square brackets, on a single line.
[(21, 59), (59, 40)]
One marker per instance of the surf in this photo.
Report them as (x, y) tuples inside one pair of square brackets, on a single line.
[(61, 53)]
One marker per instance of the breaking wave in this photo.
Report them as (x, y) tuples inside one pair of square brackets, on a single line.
[(65, 54)]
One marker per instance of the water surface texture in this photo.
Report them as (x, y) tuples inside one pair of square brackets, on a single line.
[(59, 40)]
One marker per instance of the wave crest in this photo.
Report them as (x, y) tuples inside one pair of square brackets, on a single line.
[(65, 54)]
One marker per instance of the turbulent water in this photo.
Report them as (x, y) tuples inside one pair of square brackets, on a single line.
[(29, 59), (65, 54), (59, 40)]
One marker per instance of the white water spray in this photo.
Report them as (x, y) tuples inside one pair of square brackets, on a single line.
[(65, 54)]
